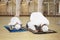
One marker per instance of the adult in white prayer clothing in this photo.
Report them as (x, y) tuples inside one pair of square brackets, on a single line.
[(39, 20)]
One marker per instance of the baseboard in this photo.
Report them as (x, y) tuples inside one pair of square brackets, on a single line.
[(29, 15)]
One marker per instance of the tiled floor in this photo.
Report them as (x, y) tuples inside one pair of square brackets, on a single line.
[(6, 35)]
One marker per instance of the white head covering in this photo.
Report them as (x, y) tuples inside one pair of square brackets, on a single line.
[(45, 28), (17, 26)]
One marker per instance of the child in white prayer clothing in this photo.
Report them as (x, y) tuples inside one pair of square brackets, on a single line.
[(15, 23), (38, 20)]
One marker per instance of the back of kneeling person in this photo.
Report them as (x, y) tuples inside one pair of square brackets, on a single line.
[(38, 22), (15, 23)]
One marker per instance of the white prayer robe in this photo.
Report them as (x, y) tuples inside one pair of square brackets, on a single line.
[(37, 18), (15, 20)]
